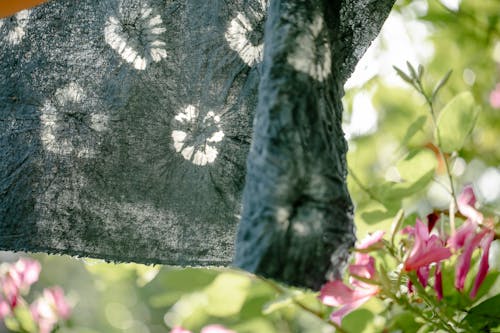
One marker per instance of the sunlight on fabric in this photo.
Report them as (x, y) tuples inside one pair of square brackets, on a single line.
[(67, 126), (196, 136), (136, 37), (16, 26), (312, 54), (245, 35)]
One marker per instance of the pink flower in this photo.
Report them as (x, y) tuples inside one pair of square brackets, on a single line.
[(495, 97), (423, 275), (466, 201), (18, 278), (10, 290), (49, 309), (179, 329), (26, 272), (458, 239), (473, 241), (483, 264), (426, 250), (372, 240), (215, 329), (468, 239), (4, 308), (438, 281), (337, 293)]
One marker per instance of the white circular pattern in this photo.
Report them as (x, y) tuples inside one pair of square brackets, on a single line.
[(245, 35), (67, 127), (312, 53), (196, 136), (136, 37), (17, 33)]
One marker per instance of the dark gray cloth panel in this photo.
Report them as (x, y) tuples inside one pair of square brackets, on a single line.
[(125, 127), (297, 222)]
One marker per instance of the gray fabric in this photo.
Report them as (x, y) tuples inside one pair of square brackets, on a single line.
[(88, 145), (125, 127), (297, 223)]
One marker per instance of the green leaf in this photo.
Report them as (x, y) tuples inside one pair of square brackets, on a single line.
[(440, 84), (416, 164), (25, 319), (420, 72), (485, 315), (413, 129), (403, 75), (412, 70), (227, 294), (456, 121), (279, 303), (416, 170), (12, 324), (404, 322), (260, 325)]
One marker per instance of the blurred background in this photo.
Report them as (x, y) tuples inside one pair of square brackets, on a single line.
[(383, 122)]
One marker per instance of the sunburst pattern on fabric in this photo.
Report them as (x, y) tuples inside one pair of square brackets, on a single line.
[(17, 31), (196, 136), (312, 53), (70, 126), (136, 36), (245, 34)]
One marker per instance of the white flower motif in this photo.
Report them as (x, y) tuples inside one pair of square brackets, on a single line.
[(68, 126), (136, 36), (312, 53), (17, 33), (245, 34), (197, 136)]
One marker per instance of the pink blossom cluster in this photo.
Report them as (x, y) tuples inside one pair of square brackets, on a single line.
[(46, 310), (16, 280), (432, 249), (337, 293), (428, 250), (207, 329)]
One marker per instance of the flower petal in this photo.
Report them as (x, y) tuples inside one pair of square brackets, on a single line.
[(438, 282), (431, 251), (459, 238), (338, 315), (432, 219), (336, 293), (466, 202), (483, 264), (371, 240), (423, 275), (463, 262)]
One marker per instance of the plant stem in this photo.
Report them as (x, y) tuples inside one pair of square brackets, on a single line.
[(301, 305), (431, 302), (362, 186), (438, 138)]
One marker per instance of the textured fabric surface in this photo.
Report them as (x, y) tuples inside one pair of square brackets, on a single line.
[(125, 127)]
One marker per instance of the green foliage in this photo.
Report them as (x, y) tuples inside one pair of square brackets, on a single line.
[(485, 315), (455, 122)]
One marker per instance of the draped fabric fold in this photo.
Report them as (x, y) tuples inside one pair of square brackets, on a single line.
[(125, 127)]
